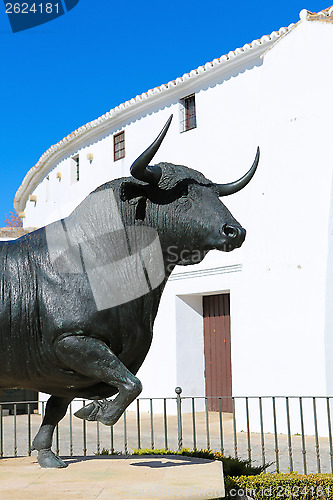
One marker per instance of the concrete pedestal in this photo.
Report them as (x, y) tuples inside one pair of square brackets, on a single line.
[(116, 477)]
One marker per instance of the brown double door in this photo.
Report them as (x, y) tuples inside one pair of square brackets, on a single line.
[(216, 312)]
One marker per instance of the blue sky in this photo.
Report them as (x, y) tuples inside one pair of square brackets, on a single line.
[(60, 75)]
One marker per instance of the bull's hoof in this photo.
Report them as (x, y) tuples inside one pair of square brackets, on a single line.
[(109, 417), (48, 460), (89, 412), (101, 411)]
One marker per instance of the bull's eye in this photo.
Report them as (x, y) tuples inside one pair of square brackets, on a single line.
[(183, 192)]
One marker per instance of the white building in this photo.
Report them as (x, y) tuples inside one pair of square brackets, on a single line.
[(274, 92)]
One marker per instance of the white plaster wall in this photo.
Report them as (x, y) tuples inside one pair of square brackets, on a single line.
[(280, 331), (329, 305), (286, 253), (189, 344)]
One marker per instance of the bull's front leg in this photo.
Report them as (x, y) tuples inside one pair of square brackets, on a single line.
[(55, 410), (94, 359)]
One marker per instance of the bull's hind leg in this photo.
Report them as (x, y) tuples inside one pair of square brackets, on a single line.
[(55, 410), (94, 359)]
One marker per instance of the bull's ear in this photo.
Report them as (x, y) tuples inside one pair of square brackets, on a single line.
[(132, 191)]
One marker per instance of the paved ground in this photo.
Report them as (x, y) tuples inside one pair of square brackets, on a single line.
[(99, 437), (120, 477)]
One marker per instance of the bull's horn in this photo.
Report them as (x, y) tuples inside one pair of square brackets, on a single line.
[(140, 169), (233, 187)]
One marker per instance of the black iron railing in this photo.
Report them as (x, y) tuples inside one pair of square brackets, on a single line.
[(291, 433)]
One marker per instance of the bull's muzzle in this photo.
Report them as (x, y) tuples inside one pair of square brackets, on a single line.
[(235, 234)]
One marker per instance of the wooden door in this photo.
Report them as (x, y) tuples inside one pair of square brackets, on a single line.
[(216, 312)]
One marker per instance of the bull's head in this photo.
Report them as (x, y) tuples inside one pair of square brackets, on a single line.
[(190, 218)]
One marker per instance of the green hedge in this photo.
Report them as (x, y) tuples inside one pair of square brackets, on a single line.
[(282, 486)]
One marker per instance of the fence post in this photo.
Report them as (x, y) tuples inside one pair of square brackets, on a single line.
[(138, 422), (15, 430), (316, 434), (178, 391), (29, 431), (1, 432)]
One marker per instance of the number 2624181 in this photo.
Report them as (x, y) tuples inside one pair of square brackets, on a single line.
[(35, 8)]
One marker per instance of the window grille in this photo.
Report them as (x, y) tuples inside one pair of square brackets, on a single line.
[(189, 119), (119, 146), (77, 161), (75, 169)]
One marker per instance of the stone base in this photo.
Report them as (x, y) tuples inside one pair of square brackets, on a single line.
[(113, 477)]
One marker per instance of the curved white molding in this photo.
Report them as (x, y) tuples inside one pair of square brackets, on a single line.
[(139, 103), (205, 272)]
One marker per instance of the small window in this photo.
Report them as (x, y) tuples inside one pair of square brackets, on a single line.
[(77, 162), (119, 146), (75, 169), (189, 119)]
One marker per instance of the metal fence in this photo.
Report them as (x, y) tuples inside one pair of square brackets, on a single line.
[(289, 433)]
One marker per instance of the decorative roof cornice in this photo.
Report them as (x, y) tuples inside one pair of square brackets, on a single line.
[(15, 232), (324, 15), (139, 103)]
